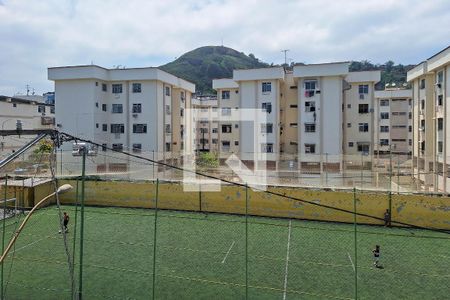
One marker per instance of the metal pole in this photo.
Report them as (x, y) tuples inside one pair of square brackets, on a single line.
[(4, 228), (398, 173), (246, 241), (356, 243), (61, 163), (154, 238), (83, 177), (200, 197), (153, 151), (75, 230), (326, 172), (362, 170)]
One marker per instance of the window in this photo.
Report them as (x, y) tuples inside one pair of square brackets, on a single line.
[(410, 102), (168, 129), (384, 102), (136, 88), (410, 142), (236, 126), (267, 107), (350, 144), (104, 127), (293, 106), (310, 106), (384, 115), (440, 146), (182, 112), (214, 130), (104, 107), (398, 126), (266, 87), (167, 109), (14, 104), (267, 148), (293, 125), (349, 125), (384, 128), (226, 111), (440, 99), (117, 88), (104, 87), (422, 125), (137, 108), (363, 147), (422, 83), (226, 128), (52, 109), (96, 125), (422, 104), (117, 108), (310, 148), (203, 130), (139, 128), (117, 128), (410, 115), (310, 85), (349, 106), (384, 142), (267, 128), (236, 143), (137, 148), (104, 146), (214, 141), (182, 97), (225, 95), (310, 127), (363, 127), (96, 104), (440, 77), (363, 108), (440, 124), (117, 147), (167, 146), (167, 92), (96, 83), (410, 128), (363, 88), (41, 109), (226, 145)]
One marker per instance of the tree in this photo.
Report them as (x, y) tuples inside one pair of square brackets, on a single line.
[(207, 160)]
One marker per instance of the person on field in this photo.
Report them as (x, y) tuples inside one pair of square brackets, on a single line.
[(387, 218), (65, 222), (376, 256)]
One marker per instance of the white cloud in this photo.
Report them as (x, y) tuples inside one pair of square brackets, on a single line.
[(39, 34)]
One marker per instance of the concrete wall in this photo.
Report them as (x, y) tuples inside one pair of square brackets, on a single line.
[(420, 210)]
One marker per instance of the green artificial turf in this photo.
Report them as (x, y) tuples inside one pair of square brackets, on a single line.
[(203, 256)]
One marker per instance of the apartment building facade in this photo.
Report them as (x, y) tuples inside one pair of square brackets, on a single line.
[(305, 112), (26, 114), (206, 124), (393, 122), (430, 125), (139, 110)]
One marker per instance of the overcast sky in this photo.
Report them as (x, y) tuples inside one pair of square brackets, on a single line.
[(35, 35)]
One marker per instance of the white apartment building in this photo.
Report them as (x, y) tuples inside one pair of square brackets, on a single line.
[(430, 82), (393, 121), (30, 114), (134, 109), (307, 112), (206, 124)]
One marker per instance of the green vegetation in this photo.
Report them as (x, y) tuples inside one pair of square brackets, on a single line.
[(203, 256), (207, 160), (390, 72), (204, 64)]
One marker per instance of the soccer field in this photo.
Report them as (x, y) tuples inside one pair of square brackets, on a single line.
[(203, 256)]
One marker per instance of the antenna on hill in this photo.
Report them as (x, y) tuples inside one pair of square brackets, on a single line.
[(285, 56), (28, 89)]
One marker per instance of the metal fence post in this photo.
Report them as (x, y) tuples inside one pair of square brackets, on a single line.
[(4, 228), (356, 243), (200, 197), (246, 241), (83, 177), (154, 238)]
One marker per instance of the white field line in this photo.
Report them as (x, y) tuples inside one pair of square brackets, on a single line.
[(226, 255), (353, 266), (287, 261), (32, 243)]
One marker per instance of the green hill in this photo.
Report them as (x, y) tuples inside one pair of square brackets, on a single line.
[(203, 64)]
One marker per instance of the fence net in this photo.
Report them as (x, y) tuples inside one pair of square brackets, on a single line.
[(140, 238)]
